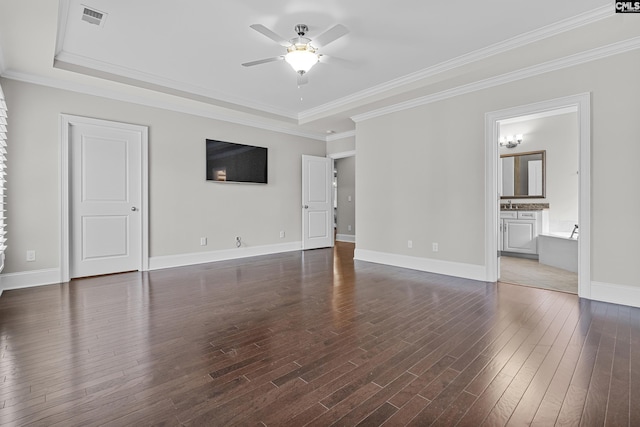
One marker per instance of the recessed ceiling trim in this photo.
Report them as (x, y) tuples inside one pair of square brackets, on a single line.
[(154, 103), (477, 55), (310, 114), (341, 135), (63, 13), (197, 92), (2, 66), (558, 64)]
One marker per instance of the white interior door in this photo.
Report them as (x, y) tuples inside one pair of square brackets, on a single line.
[(105, 200), (317, 229)]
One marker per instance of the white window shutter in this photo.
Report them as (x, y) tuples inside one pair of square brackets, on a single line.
[(3, 173)]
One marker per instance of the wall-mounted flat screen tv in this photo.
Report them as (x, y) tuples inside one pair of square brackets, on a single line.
[(230, 162)]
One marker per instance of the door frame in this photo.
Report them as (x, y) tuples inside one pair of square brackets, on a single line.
[(582, 103), (66, 121), (334, 157)]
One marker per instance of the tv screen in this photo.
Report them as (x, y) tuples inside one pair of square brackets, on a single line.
[(229, 162)]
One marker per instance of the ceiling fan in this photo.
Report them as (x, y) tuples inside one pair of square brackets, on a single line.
[(302, 52)]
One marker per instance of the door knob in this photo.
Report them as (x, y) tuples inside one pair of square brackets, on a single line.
[(133, 208), (306, 206)]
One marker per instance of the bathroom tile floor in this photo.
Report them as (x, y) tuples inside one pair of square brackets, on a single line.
[(529, 272)]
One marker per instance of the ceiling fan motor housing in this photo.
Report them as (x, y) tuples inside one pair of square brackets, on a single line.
[(301, 29)]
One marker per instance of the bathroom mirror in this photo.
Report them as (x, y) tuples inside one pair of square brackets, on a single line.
[(523, 175)]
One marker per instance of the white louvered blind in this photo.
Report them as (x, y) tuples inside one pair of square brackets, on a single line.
[(3, 175)]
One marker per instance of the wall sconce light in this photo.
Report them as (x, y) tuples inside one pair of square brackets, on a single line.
[(510, 141)]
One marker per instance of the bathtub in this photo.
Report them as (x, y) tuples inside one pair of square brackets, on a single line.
[(558, 250)]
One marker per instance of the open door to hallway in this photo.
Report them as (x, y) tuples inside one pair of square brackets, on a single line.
[(317, 210)]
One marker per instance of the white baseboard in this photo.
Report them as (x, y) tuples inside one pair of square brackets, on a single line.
[(28, 279), (448, 268), (180, 260), (618, 294), (606, 292), (349, 238)]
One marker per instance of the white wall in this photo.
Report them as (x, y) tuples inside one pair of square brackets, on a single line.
[(341, 145), (346, 171), (183, 205), (421, 171), (558, 135)]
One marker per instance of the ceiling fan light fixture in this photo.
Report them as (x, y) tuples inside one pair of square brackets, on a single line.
[(301, 60), (302, 54)]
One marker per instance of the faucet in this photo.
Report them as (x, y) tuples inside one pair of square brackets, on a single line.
[(575, 231)]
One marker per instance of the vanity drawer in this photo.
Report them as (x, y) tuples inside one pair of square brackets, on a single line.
[(509, 214), (526, 215)]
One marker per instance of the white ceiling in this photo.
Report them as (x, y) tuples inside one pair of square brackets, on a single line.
[(194, 48)]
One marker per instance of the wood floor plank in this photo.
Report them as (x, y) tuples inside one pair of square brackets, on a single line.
[(598, 392), (346, 405), (379, 416), (560, 333), (313, 338), (378, 400), (450, 393), (552, 401), (455, 410), (420, 383), (408, 411), (573, 403), (618, 402), (300, 405), (482, 406)]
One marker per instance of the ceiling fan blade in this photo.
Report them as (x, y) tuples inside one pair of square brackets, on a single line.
[(263, 61), (326, 59), (273, 36), (331, 35), (302, 79)]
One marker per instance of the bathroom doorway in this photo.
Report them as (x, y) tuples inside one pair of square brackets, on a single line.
[(539, 208), (581, 103)]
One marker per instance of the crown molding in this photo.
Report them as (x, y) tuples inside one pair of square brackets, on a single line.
[(480, 54), (558, 64), (341, 135), (165, 105), (187, 91), (63, 14)]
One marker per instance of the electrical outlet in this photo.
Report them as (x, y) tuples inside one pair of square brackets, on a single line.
[(203, 241), (434, 246), (282, 234), (349, 198), (349, 227), (410, 244), (31, 255)]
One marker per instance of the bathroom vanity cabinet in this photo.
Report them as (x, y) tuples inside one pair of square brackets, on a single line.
[(519, 230)]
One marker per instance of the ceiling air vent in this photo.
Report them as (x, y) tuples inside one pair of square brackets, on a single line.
[(93, 16)]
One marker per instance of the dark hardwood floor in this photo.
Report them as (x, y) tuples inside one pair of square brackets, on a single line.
[(310, 338)]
